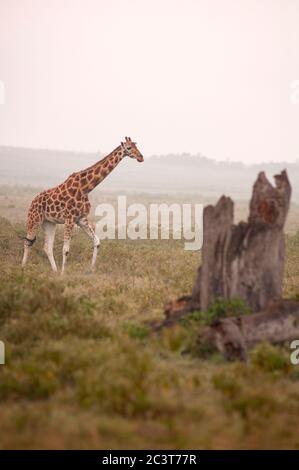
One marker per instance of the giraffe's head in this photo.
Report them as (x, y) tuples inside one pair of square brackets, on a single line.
[(130, 150)]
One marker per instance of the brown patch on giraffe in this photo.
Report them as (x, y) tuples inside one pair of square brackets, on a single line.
[(72, 191), (95, 181)]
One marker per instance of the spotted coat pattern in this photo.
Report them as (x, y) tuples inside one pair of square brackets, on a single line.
[(68, 202)]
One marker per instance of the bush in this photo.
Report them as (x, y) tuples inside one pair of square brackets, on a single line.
[(220, 308), (136, 331), (270, 358)]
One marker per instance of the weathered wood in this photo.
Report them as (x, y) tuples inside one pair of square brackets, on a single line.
[(174, 311), (234, 336), (217, 226), (244, 260)]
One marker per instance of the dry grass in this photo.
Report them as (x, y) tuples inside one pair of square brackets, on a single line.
[(84, 371)]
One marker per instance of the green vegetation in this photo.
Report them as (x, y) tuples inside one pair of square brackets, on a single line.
[(220, 309), (83, 369)]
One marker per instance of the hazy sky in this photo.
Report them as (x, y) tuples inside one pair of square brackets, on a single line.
[(209, 76)]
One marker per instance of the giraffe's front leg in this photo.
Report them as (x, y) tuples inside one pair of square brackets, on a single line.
[(88, 229), (68, 228), (50, 229)]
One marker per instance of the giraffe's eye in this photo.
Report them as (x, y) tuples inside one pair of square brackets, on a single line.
[(129, 148)]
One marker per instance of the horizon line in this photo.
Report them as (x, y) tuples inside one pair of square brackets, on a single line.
[(164, 155)]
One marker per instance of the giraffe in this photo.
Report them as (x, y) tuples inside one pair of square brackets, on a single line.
[(68, 204)]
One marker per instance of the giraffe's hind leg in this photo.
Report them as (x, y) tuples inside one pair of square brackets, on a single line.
[(50, 229), (87, 228), (68, 228), (29, 240)]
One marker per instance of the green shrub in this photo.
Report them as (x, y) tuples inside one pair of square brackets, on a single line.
[(270, 358), (30, 381), (226, 308), (220, 308), (136, 331)]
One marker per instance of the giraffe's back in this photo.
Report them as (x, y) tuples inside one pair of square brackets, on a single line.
[(64, 202)]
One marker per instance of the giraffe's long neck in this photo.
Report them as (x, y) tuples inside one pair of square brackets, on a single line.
[(93, 175)]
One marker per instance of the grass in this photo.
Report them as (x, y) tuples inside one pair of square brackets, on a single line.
[(83, 369)]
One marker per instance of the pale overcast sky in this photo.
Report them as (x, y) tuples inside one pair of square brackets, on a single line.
[(209, 76)]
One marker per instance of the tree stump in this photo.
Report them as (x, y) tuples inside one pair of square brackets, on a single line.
[(244, 261)]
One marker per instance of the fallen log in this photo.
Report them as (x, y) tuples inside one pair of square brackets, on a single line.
[(233, 337)]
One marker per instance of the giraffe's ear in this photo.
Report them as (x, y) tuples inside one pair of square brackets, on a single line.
[(122, 144)]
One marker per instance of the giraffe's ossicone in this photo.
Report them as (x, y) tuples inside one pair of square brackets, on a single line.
[(68, 204)]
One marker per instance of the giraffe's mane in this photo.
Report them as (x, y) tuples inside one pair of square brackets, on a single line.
[(100, 161)]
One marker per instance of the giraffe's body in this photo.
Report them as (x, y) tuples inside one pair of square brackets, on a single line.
[(68, 204), (60, 203)]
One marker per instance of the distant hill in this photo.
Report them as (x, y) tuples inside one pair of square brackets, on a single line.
[(167, 173)]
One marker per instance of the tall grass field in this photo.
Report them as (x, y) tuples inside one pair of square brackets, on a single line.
[(84, 370)]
